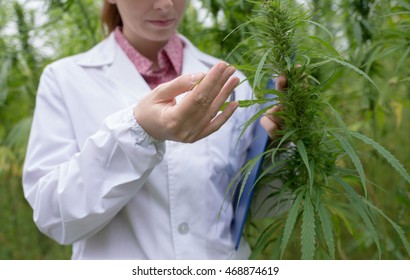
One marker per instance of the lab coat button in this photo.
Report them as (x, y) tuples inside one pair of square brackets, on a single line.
[(183, 228)]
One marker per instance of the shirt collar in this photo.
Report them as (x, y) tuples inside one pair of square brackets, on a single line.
[(172, 51)]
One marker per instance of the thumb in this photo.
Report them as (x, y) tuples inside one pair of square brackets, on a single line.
[(179, 85), (281, 82)]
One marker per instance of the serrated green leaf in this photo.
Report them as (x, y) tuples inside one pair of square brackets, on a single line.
[(398, 229), (251, 120), (325, 44), (350, 151), (380, 55), (339, 119), (320, 26), (282, 140), (238, 28), (342, 214), (240, 177), (303, 154), (249, 102), (283, 200), (270, 170), (395, 163), (290, 223), (258, 76), (275, 254), (362, 210), (354, 68), (265, 239), (318, 64), (247, 172), (308, 235), (403, 58), (327, 228)]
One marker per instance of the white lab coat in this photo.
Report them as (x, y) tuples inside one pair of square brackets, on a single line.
[(95, 179)]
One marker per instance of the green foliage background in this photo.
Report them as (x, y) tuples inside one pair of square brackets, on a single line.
[(373, 34)]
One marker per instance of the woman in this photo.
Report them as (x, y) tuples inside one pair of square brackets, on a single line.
[(128, 157)]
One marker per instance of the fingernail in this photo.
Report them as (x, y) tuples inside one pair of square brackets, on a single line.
[(197, 77), (234, 104), (231, 69)]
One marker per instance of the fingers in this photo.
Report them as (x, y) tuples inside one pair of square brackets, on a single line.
[(220, 120), (281, 83), (196, 115), (178, 86), (208, 97), (224, 94), (214, 80), (271, 114), (214, 86), (270, 126), (271, 122)]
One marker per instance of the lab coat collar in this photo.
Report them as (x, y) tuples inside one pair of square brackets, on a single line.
[(109, 55), (100, 55)]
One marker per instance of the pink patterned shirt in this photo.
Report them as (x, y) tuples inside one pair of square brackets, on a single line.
[(169, 60)]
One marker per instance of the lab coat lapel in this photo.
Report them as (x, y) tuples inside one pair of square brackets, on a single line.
[(118, 69), (126, 76)]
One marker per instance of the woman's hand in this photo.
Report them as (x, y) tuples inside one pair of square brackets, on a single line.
[(196, 115), (270, 121)]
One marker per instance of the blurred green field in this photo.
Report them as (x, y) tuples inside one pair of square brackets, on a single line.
[(374, 35)]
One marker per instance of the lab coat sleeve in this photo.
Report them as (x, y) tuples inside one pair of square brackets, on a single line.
[(75, 191)]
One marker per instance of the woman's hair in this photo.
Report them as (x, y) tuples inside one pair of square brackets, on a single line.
[(110, 17)]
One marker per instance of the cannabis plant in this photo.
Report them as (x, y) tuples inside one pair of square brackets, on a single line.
[(314, 157)]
